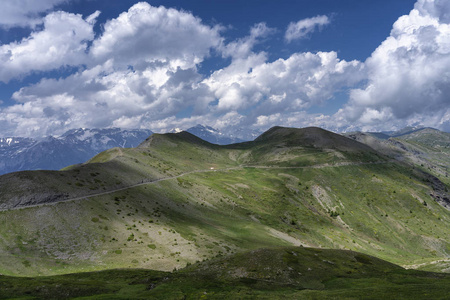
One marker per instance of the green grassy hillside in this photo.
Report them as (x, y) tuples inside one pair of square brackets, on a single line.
[(430, 149), (176, 200), (428, 136), (278, 273)]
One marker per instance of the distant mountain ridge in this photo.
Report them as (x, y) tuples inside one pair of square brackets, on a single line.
[(79, 145), (408, 130), (73, 147), (212, 135), (219, 137)]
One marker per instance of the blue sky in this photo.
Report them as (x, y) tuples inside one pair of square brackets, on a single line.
[(342, 65)]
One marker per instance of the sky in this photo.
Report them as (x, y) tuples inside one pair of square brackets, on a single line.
[(238, 66)]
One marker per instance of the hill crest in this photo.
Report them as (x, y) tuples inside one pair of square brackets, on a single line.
[(311, 137)]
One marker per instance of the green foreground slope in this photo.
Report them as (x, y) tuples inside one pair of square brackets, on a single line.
[(176, 200), (279, 273)]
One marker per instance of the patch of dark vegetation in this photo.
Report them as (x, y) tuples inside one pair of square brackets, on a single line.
[(288, 273)]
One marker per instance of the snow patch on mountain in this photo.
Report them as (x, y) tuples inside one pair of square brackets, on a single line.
[(73, 147), (79, 145), (213, 135)]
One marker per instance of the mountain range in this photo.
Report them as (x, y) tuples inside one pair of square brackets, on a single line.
[(214, 136), (79, 145), (73, 147), (233, 218)]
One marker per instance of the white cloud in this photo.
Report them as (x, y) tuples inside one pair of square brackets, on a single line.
[(292, 84), (146, 34), (409, 73), (242, 48), (25, 13), (62, 42), (142, 72), (439, 9), (103, 96), (141, 69), (302, 28), (141, 36)]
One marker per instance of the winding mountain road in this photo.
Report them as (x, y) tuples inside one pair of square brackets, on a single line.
[(319, 166)]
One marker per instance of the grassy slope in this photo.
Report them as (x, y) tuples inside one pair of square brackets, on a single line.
[(427, 149), (300, 197), (432, 147), (280, 273)]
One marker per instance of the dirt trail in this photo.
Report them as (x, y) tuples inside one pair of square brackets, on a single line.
[(341, 164), (321, 166), (415, 266)]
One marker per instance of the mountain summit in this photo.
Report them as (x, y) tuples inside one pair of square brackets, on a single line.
[(213, 135), (79, 145), (311, 137), (73, 147)]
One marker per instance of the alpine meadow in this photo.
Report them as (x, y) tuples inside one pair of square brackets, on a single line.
[(257, 149), (178, 201)]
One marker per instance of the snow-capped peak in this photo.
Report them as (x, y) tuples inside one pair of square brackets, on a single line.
[(212, 135), (72, 147), (176, 130)]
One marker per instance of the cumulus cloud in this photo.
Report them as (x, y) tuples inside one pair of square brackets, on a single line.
[(291, 84), (143, 67), (25, 13), (104, 96), (303, 28), (409, 77), (142, 71), (142, 36), (147, 34), (243, 47), (439, 9), (63, 41), (107, 95)]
